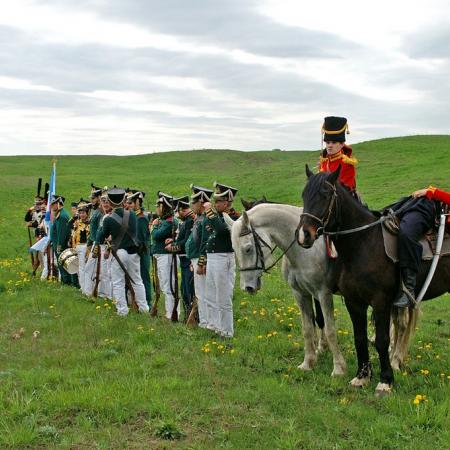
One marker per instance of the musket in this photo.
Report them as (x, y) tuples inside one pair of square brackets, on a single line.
[(97, 271), (49, 261), (174, 278), (156, 287), (128, 280), (31, 253), (175, 288), (192, 320)]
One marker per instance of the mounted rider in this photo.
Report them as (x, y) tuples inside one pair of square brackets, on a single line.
[(414, 223)]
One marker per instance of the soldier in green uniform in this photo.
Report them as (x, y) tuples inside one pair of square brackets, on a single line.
[(135, 200), (186, 222), (60, 234), (121, 226), (220, 273), (198, 237), (94, 222), (163, 228)]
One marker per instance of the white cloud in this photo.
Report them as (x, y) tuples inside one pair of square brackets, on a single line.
[(77, 78)]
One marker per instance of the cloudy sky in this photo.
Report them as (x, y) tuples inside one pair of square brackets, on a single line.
[(138, 76)]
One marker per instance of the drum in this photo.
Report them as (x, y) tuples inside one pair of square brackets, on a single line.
[(69, 260)]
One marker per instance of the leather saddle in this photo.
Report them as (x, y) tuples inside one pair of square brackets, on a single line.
[(428, 243)]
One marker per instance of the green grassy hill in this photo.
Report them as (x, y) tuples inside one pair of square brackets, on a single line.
[(93, 380)]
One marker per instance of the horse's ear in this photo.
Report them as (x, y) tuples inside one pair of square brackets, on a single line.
[(334, 176), (308, 171), (228, 221), (247, 205), (264, 199), (245, 219)]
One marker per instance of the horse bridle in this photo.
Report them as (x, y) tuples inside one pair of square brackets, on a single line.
[(324, 222), (259, 242), (259, 251)]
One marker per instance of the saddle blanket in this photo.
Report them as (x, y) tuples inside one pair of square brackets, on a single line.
[(428, 244)]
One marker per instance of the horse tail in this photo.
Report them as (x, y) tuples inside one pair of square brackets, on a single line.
[(404, 324), (413, 318)]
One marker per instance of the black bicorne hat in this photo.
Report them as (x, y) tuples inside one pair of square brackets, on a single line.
[(135, 194), (74, 204), (95, 191), (224, 192), (334, 129), (116, 195), (165, 199), (181, 202), (201, 194), (84, 205), (57, 199)]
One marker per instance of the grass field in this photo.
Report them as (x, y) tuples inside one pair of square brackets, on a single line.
[(79, 377)]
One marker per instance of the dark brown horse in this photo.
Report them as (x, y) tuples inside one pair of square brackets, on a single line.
[(367, 276)]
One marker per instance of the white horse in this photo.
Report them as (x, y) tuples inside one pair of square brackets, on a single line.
[(308, 271)]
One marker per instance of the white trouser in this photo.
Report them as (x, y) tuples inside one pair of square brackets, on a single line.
[(105, 288), (132, 264), (81, 252), (90, 272), (200, 287), (164, 263), (220, 276), (43, 260)]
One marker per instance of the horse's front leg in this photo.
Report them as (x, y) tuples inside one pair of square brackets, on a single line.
[(358, 315), (304, 302), (382, 326), (339, 365)]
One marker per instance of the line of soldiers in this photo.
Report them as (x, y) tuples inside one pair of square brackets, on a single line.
[(111, 246)]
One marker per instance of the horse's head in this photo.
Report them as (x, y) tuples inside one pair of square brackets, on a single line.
[(319, 206), (252, 250)]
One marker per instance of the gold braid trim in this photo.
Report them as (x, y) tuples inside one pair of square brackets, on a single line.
[(76, 233), (431, 189), (344, 128), (351, 161)]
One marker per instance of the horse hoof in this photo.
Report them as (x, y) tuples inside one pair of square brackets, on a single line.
[(338, 372), (383, 389), (360, 382), (306, 367)]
